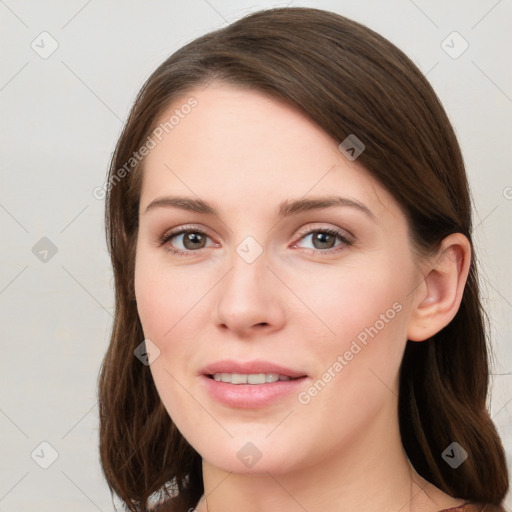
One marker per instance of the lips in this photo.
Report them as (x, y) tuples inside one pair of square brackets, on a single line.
[(250, 367), (230, 388)]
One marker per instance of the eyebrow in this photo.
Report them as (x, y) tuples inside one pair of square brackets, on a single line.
[(286, 208)]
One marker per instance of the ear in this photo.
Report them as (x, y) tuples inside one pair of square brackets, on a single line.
[(437, 299)]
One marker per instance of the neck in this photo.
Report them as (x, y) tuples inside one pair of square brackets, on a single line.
[(371, 472)]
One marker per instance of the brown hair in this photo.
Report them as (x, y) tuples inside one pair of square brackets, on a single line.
[(348, 80)]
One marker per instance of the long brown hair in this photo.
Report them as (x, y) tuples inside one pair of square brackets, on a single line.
[(348, 80)]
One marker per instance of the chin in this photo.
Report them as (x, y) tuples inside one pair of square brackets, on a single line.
[(252, 457)]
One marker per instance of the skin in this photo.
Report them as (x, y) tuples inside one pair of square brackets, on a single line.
[(245, 153)]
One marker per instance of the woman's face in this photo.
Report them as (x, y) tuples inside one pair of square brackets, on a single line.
[(259, 286)]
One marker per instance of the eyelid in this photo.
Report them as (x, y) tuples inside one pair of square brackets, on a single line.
[(334, 231), (180, 230), (170, 234), (342, 233)]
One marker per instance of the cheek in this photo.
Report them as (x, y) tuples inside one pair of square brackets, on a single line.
[(357, 367), (172, 306), (163, 304), (366, 315), (350, 300), (163, 298)]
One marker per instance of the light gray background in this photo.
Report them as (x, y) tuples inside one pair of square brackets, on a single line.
[(60, 119)]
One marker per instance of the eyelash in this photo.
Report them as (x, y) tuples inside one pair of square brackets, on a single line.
[(191, 229)]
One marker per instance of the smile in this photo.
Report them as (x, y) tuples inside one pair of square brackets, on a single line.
[(252, 378)]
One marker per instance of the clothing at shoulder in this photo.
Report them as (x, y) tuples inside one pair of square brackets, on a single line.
[(474, 507)]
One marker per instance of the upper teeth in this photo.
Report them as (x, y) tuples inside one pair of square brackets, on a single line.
[(252, 378)]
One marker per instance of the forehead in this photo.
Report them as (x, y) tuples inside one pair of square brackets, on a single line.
[(240, 144), (252, 125)]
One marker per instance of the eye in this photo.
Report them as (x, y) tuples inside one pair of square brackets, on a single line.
[(190, 238), (324, 240)]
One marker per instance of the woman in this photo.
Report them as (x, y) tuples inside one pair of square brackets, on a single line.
[(298, 324)]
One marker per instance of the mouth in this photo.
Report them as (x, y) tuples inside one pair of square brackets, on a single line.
[(252, 390), (251, 384), (251, 378), (249, 372)]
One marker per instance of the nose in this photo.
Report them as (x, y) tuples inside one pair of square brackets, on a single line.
[(250, 299)]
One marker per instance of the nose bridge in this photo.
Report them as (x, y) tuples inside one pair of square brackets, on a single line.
[(246, 281), (246, 296), (248, 262)]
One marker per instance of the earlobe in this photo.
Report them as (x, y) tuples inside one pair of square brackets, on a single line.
[(438, 298)]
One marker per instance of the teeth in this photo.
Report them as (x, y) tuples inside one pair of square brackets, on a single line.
[(253, 378)]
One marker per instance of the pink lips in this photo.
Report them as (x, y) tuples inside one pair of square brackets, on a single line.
[(250, 396), (256, 366)]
